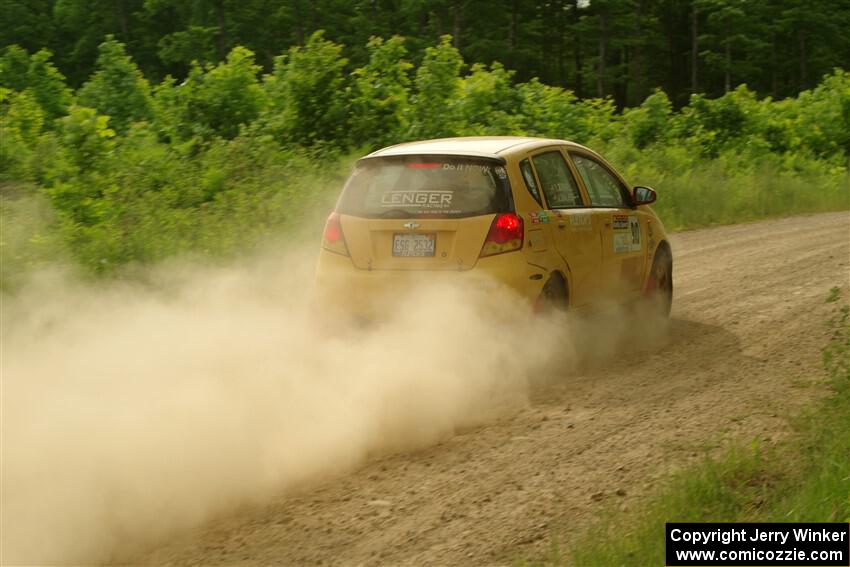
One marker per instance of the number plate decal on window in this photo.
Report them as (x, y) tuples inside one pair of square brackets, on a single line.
[(414, 245)]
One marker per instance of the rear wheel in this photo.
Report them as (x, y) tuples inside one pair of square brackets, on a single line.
[(554, 296), (659, 286)]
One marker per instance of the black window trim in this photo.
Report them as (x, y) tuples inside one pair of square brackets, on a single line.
[(540, 197)]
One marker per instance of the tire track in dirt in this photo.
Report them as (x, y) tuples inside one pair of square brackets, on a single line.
[(743, 352)]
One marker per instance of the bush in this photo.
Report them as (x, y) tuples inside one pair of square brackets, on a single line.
[(380, 95), (220, 160), (307, 102), (435, 105), (117, 88)]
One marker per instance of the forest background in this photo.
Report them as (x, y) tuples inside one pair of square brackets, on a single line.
[(135, 130)]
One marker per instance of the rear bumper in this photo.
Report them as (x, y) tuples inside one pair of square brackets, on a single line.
[(341, 286)]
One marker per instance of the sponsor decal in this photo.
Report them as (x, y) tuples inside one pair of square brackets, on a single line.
[(634, 225), (468, 167), (539, 217), (423, 199), (627, 237), (500, 172), (622, 242), (650, 238), (580, 221), (620, 222)]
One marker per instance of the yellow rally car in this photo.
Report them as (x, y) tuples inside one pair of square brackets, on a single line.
[(548, 218)]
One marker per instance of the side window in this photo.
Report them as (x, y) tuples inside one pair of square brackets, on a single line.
[(557, 181), (530, 182), (604, 189)]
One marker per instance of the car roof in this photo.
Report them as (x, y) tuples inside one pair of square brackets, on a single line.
[(494, 147)]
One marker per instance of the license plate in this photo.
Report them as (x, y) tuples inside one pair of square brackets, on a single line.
[(414, 245)]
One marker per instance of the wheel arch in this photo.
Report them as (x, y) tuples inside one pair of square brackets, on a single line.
[(559, 275), (664, 246)]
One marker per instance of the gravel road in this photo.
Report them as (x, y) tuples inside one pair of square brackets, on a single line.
[(743, 353)]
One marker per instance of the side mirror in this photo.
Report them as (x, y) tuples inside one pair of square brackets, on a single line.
[(644, 195)]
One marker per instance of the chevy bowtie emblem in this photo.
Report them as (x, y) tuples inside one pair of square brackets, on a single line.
[(411, 225)]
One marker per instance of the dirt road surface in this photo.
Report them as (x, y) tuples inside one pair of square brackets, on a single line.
[(744, 353)]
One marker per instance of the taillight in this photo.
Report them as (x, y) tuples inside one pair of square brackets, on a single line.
[(505, 235), (333, 238)]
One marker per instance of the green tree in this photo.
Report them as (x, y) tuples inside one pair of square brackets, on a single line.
[(21, 120), (307, 101), (28, 23), (48, 86), (226, 96), (87, 137), (489, 103), (380, 98), (438, 87), (14, 67), (20, 71), (650, 122), (117, 88)]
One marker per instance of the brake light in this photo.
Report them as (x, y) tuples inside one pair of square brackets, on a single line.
[(506, 235), (333, 238), (424, 165)]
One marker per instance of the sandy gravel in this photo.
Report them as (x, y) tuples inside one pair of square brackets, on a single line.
[(744, 351)]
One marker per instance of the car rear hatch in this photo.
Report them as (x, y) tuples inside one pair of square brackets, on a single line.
[(421, 212)]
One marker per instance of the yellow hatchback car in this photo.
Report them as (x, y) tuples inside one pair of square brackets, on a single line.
[(550, 219)]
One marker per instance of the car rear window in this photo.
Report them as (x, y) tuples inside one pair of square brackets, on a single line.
[(426, 186)]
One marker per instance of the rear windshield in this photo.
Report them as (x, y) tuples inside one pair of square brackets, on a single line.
[(425, 186)]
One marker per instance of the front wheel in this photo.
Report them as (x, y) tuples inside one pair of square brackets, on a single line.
[(659, 285)]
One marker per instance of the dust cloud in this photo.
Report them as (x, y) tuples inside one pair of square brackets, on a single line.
[(131, 411)]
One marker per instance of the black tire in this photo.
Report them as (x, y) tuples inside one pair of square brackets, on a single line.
[(554, 295), (659, 287)]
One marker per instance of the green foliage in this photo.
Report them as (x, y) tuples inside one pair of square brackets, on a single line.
[(87, 138), (821, 117), (438, 88), (224, 97), (649, 123), (151, 203), (21, 122), (29, 239), (712, 125), (135, 175), (48, 85), (602, 48), (117, 88), (488, 102), (380, 94), (307, 100), (196, 43), (552, 111), (19, 72), (14, 67), (23, 118), (836, 355)]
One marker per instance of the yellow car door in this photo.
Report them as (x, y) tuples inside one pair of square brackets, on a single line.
[(623, 227), (568, 220)]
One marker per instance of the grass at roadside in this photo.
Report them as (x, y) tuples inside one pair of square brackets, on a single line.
[(807, 478)]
